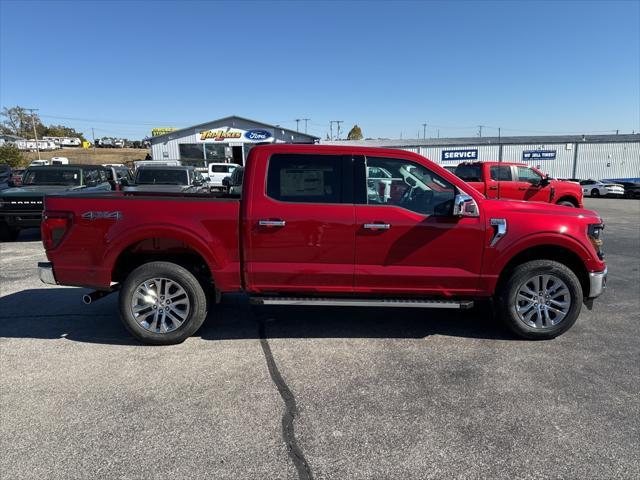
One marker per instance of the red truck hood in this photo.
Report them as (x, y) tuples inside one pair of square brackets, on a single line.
[(493, 207)]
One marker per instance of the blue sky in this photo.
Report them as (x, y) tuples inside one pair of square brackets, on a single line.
[(125, 67)]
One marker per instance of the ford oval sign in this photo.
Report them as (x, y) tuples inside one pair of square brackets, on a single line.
[(257, 135)]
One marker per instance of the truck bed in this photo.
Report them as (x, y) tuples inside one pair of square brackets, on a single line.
[(106, 227)]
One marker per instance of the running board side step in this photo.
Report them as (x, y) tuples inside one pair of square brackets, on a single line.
[(362, 302)]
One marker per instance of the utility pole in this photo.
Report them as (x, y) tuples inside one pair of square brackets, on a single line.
[(297, 125), (480, 130), (93, 135), (330, 129), (424, 131), (339, 122), (305, 124), (35, 134)]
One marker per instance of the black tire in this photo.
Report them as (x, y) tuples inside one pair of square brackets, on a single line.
[(595, 192), (506, 300), (186, 280), (7, 233), (567, 203)]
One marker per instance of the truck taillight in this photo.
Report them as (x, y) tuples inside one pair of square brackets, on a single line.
[(54, 227)]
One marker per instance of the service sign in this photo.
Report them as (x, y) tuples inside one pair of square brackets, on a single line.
[(539, 155), (466, 154), (235, 135)]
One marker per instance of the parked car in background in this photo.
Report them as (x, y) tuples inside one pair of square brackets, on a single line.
[(168, 179), (631, 189), (118, 175), (39, 163), (16, 177), (5, 176), (305, 232), (518, 181), (598, 188), (59, 161), (156, 163), (21, 207), (219, 171), (234, 182)]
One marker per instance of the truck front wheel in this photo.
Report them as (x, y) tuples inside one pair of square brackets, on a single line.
[(540, 299), (162, 303)]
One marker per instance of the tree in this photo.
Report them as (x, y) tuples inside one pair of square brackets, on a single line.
[(10, 155), (61, 131), (355, 133), (18, 122)]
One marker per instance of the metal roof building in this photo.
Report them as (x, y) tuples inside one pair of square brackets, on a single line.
[(561, 156), (227, 140)]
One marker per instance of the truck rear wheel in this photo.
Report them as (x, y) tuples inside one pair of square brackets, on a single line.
[(540, 300), (567, 203), (162, 303)]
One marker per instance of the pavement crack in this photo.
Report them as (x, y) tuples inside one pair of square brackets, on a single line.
[(290, 410)]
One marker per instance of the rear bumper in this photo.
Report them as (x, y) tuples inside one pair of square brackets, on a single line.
[(597, 283), (45, 272)]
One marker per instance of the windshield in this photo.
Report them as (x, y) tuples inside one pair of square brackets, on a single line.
[(39, 176), (158, 176)]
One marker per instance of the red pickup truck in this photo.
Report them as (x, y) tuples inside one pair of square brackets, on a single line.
[(326, 226), (518, 181)]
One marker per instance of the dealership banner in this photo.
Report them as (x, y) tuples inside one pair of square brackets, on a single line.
[(228, 134), (156, 132), (466, 154), (539, 155)]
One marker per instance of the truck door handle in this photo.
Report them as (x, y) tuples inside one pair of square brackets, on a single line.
[(272, 223), (493, 188), (522, 188), (377, 226)]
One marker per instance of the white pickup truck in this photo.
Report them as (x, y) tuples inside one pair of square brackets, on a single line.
[(218, 172)]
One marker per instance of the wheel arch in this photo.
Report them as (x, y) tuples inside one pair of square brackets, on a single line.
[(553, 252)]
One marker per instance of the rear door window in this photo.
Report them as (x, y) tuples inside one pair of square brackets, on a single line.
[(308, 179), (501, 173)]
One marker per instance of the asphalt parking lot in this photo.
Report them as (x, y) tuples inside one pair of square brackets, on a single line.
[(319, 393)]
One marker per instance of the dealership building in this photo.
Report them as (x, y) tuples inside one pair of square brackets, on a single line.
[(598, 157), (227, 140)]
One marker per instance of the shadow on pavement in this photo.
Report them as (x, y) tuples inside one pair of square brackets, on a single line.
[(52, 313)]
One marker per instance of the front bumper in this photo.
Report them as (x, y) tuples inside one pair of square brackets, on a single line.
[(597, 283), (45, 272), (22, 219)]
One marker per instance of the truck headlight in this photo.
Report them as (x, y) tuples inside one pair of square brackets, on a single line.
[(594, 232)]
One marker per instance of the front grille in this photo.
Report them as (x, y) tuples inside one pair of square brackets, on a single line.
[(23, 203)]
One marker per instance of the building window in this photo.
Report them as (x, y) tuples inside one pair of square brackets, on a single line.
[(191, 151), (214, 153)]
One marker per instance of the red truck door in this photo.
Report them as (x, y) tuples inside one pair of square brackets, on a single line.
[(501, 176), (407, 241), (529, 185), (300, 225)]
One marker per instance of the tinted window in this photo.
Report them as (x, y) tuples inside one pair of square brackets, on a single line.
[(469, 173), (305, 178), (501, 174), (525, 174), (221, 168), (159, 176), (408, 185), (38, 176)]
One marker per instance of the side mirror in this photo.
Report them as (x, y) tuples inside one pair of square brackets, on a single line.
[(465, 206), (545, 181), (124, 182), (226, 181)]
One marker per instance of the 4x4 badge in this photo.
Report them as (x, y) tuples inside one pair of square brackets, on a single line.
[(102, 215)]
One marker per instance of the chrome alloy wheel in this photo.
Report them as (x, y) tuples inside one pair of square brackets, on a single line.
[(542, 301), (160, 305)]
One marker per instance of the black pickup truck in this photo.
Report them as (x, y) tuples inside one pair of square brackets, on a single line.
[(21, 207)]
